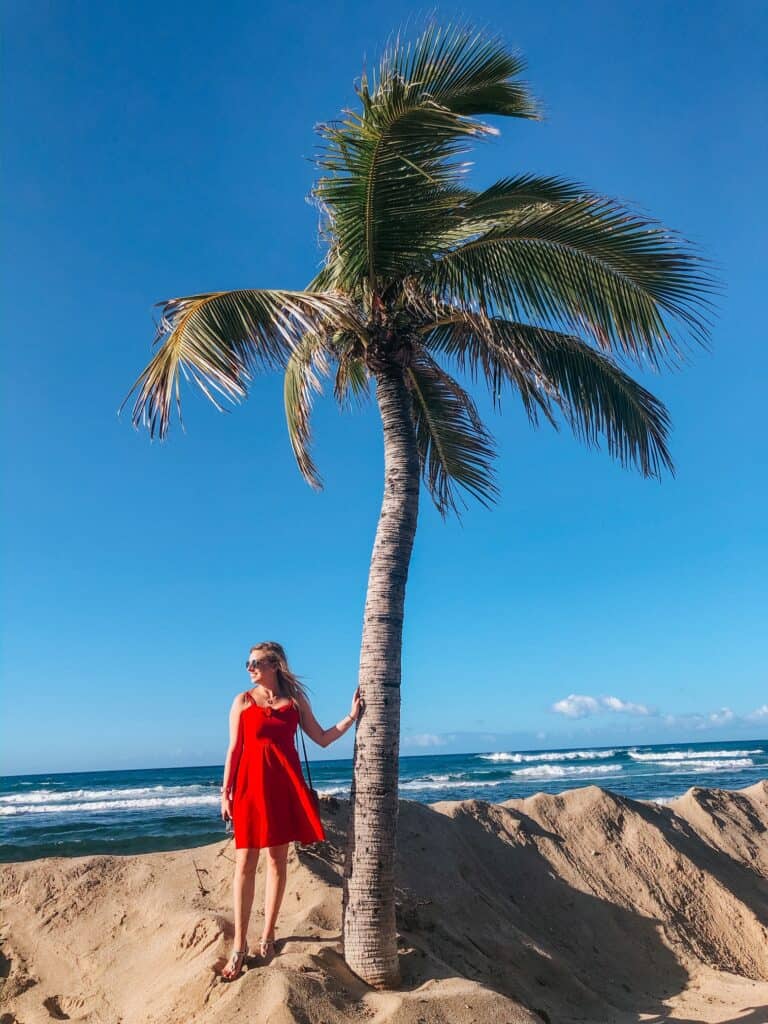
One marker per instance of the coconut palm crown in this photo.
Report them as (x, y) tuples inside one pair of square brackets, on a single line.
[(536, 281)]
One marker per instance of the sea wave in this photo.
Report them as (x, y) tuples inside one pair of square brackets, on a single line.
[(446, 777), (544, 771), (425, 783), (48, 796), (685, 755), (558, 771), (112, 805), (550, 755), (692, 765)]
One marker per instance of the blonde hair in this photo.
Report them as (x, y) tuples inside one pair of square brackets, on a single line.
[(289, 683)]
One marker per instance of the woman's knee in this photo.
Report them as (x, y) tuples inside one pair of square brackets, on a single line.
[(278, 856), (247, 860)]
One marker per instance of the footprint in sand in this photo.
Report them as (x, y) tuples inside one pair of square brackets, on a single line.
[(69, 1007)]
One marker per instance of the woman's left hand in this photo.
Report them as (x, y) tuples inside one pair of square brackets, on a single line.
[(357, 702)]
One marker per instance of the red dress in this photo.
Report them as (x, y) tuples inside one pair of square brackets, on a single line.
[(271, 802)]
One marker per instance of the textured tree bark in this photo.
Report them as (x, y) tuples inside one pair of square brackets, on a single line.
[(369, 928)]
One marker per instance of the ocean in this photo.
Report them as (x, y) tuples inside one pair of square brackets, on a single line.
[(142, 811)]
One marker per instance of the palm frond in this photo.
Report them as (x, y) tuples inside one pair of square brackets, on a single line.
[(393, 179), (467, 338), (598, 399), (220, 339), (582, 265), (462, 69), (352, 383), (300, 381), (527, 192), (556, 372), (454, 446)]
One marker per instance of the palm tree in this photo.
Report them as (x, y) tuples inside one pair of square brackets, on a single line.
[(539, 283)]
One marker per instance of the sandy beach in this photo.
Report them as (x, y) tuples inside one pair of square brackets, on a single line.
[(583, 906)]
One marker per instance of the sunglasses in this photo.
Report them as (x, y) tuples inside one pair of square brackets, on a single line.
[(256, 663)]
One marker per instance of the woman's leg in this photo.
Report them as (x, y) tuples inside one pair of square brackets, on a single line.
[(243, 885), (277, 875)]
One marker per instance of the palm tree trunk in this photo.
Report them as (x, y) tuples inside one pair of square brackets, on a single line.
[(369, 928)]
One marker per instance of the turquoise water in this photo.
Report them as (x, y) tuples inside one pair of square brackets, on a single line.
[(122, 812)]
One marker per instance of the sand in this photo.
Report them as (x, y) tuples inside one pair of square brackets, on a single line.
[(584, 906)]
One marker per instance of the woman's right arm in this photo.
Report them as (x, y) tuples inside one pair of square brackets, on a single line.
[(234, 751)]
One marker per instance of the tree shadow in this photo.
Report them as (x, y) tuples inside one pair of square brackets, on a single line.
[(741, 881), (755, 1015), (482, 901), (494, 911)]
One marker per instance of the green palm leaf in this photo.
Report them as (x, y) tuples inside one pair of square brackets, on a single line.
[(392, 181), (467, 338), (559, 372), (461, 69), (598, 399), (308, 358), (524, 191), (352, 382), (220, 339), (583, 265), (299, 383), (454, 445)]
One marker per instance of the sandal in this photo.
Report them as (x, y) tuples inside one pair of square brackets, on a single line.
[(266, 948), (236, 960)]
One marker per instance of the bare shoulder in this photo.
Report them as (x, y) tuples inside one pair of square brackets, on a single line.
[(240, 702)]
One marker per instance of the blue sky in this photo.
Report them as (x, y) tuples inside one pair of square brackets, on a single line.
[(165, 149)]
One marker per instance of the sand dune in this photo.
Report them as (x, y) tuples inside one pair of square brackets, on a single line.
[(580, 907)]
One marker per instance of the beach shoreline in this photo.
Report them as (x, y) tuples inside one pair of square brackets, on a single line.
[(150, 810)]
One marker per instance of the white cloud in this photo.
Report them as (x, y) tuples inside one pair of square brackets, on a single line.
[(577, 705), (721, 717), (615, 704), (702, 720), (425, 739), (712, 719)]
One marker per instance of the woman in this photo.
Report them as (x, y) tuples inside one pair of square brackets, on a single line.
[(264, 793)]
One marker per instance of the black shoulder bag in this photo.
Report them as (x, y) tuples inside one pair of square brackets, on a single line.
[(312, 790)]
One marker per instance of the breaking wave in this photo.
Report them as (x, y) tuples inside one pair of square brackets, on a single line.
[(552, 755), (686, 755), (559, 771)]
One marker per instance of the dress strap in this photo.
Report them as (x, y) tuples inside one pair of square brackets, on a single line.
[(294, 703)]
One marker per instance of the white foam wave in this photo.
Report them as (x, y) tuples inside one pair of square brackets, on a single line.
[(445, 777), (112, 805), (721, 765), (686, 755), (453, 784), (550, 755), (558, 771), (544, 771), (48, 796)]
